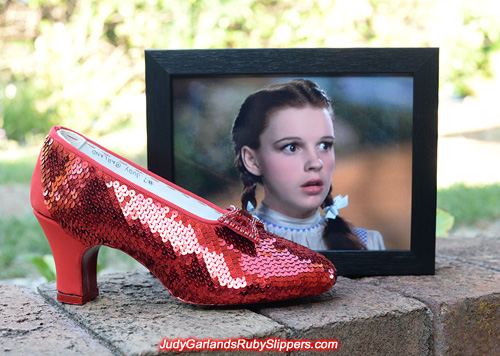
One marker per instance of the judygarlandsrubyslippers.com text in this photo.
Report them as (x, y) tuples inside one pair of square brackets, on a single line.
[(243, 344)]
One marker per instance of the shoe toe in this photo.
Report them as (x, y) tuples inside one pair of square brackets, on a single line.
[(306, 272)]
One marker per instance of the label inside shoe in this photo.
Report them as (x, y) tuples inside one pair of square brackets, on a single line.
[(140, 178)]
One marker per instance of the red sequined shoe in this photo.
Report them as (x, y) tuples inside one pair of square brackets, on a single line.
[(85, 196)]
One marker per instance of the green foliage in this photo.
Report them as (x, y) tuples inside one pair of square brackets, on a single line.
[(19, 235), (17, 163), (476, 49), (469, 204), (444, 222), (22, 116), (25, 250), (83, 64), (44, 264)]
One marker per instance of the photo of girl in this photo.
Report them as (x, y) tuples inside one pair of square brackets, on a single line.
[(283, 139), (366, 140)]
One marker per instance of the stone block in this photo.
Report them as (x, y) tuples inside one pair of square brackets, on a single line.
[(31, 326), (481, 251), (465, 302), (365, 319), (134, 313)]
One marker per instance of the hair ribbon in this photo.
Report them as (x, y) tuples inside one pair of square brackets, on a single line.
[(250, 208), (339, 202)]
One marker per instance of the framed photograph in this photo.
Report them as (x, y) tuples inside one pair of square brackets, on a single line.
[(385, 103)]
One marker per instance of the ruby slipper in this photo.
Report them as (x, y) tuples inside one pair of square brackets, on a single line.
[(85, 196)]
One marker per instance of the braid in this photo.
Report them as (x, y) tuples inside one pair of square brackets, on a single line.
[(338, 234), (248, 192), (249, 183)]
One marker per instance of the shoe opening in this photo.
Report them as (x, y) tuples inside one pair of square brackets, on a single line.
[(139, 177), (72, 138)]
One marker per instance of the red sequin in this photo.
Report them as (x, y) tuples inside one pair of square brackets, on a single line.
[(229, 261)]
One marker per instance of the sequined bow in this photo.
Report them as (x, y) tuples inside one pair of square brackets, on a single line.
[(242, 222)]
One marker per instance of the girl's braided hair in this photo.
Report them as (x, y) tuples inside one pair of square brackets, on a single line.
[(252, 120)]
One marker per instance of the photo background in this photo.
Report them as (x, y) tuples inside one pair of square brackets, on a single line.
[(373, 144)]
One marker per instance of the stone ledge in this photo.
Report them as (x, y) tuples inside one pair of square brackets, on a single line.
[(30, 326), (481, 251), (455, 312), (464, 295), (351, 311), (134, 313)]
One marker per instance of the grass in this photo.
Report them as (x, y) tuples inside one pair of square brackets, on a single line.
[(469, 204), (20, 235), (17, 163)]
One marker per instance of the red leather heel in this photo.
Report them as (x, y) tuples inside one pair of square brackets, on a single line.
[(76, 264)]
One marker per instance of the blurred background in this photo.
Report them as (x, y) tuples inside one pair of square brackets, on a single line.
[(80, 63)]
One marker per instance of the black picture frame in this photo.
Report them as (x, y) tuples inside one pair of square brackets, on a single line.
[(421, 64)]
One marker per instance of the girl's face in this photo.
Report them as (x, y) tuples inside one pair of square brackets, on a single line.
[(295, 159)]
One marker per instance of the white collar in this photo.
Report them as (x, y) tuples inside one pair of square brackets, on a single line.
[(271, 216)]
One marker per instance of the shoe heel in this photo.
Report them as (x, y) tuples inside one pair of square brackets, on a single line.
[(76, 264)]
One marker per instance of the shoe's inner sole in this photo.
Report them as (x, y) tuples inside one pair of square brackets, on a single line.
[(140, 178)]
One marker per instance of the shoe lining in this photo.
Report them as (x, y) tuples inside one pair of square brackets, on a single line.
[(139, 177)]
